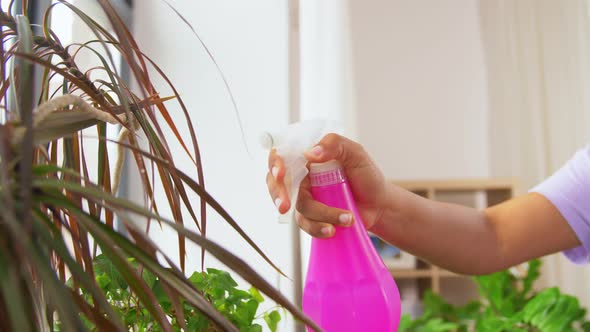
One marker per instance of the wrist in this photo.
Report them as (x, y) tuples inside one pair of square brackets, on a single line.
[(396, 212), (389, 213)]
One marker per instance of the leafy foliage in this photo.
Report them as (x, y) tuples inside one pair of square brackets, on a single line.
[(238, 306), (508, 303), (55, 217)]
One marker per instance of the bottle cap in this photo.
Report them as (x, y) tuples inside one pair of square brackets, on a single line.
[(325, 174)]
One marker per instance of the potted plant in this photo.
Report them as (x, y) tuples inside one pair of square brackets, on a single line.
[(56, 223), (508, 303)]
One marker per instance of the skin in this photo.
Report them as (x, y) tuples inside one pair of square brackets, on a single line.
[(457, 238)]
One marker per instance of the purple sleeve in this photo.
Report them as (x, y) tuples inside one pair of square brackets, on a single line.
[(569, 190)]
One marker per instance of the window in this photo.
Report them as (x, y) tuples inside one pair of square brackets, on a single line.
[(71, 29)]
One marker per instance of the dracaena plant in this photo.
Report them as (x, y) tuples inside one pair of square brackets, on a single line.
[(55, 219)]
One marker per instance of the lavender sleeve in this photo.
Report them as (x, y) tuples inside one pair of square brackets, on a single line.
[(569, 190)]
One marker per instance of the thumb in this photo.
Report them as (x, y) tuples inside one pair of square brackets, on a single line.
[(336, 147)]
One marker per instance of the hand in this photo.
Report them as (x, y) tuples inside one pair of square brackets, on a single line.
[(366, 180)]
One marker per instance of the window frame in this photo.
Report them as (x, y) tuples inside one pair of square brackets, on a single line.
[(124, 8)]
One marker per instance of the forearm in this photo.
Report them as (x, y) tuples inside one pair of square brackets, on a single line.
[(468, 241), (454, 237)]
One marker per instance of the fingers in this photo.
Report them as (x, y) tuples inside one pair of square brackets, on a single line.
[(278, 193), (276, 166), (317, 219), (275, 184), (315, 228), (313, 217), (334, 146), (314, 210)]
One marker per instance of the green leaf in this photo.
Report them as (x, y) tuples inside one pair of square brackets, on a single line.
[(491, 323), (11, 291), (254, 328), (469, 311), (25, 72), (499, 290), (103, 281), (131, 318), (540, 303), (272, 320), (198, 280), (197, 323), (221, 279), (438, 325), (246, 312), (256, 294), (555, 315), (103, 265), (149, 278), (405, 323), (238, 295), (23, 100), (533, 273), (433, 303)]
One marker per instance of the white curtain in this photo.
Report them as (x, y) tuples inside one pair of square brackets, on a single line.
[(538, 57)]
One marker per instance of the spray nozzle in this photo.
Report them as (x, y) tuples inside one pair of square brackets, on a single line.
[(291, 143)]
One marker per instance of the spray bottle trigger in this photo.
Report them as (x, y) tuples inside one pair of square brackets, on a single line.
[(296, 172)]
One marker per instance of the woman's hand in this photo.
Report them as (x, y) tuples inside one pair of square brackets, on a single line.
[(368, 184)]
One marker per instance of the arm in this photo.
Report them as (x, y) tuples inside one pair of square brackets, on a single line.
[(454, 237), (469, 241)]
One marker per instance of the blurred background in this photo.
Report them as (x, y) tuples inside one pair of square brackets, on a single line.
[(480, 96)]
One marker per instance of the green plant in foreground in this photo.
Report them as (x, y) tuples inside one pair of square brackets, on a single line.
[(508, 303), (56, 215), (238, 306)]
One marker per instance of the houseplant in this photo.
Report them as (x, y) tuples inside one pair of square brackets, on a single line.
[(238, 306), (55, 219), (508, 303)]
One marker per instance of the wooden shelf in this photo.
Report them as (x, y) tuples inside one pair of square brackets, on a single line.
[(449, 274), (412, 273), (457, 185), (422, 273)]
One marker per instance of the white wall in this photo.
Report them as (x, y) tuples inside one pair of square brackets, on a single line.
[(406, 77), (248, 40), (327, 81), (421, 94)]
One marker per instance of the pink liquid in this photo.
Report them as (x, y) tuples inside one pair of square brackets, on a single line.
[(348, 288)]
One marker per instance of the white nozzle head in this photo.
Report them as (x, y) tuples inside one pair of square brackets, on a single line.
[(266, 141), (291, 144), (324, 167)]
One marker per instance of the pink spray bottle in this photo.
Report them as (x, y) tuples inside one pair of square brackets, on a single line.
[(348, 287)]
